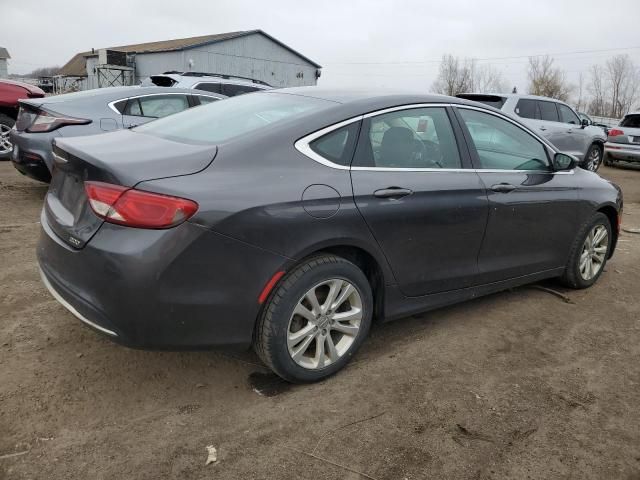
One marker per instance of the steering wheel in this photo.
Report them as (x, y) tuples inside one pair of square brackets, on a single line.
[(432, 153)]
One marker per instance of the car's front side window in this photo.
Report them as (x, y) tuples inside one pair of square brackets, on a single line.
[(204, 100), (548, 111), (567, 115), (412, 138), (501, 145)]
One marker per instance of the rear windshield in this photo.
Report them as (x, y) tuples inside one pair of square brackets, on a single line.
[(218, 122), (631, 121)]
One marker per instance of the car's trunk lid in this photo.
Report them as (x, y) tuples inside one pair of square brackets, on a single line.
[(121, 158)]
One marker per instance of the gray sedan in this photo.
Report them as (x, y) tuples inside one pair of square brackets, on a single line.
[(41, 120), (291, 219)]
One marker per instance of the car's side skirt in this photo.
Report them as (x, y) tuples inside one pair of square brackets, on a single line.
[(398, 306)]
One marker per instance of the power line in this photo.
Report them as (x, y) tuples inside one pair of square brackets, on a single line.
[(416, 62)]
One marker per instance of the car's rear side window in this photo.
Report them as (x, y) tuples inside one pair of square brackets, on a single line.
[(631, 121), (209, 87), (411, 138), (527, 108), (233, 117), (231, 90), (337, 146)]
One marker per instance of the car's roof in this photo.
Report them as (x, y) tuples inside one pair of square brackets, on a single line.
[(189, 80), (114, 93), (392, 97), (515, 95)]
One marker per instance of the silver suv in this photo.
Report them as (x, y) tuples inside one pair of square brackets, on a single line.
[(227, 85), (554, 120)]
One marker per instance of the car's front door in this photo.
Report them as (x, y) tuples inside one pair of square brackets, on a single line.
[(532, 219), (424, 206), (576, 139)]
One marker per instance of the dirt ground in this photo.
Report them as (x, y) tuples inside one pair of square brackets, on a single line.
[(516, 385)]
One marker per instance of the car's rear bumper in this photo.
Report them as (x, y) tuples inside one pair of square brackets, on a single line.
[(181, 288), (33, 154), (622, 151)]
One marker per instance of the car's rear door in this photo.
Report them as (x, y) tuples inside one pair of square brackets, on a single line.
[(532, 209), (145, 108), (424, 205)]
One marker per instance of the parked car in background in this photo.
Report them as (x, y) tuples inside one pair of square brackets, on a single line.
[(10, 93), (290, 219), (40, 121), (554, 120), (623, 142), (584, 116), (228, 85)]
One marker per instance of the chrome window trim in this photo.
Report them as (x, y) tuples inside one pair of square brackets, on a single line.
[(302, 144), (111, 104)]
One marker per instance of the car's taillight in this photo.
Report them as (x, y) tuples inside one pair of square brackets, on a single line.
[(137, 208), (614, 132), (48, 121)]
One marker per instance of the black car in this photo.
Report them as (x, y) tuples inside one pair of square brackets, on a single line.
[(291, 219)]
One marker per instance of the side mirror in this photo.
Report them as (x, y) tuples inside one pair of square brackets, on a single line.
[(562, 161), (584, 123)]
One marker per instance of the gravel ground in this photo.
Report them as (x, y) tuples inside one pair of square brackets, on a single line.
[(519, 384)]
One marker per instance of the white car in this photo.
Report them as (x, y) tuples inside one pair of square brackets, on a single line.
[(554, 120), (624, 140), (227, 85)]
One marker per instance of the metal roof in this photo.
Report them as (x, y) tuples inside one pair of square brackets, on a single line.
[(76, 67), (4, 53)]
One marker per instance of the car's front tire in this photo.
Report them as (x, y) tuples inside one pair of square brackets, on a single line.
[(589, 253), (315, 320), (593, 158), (6, 124)]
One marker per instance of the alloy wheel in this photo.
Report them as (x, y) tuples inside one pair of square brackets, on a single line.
[(5, 144), (593, 161), (594, 252), (324, 324)]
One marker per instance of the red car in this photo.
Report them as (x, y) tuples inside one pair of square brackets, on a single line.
[(10, 93)]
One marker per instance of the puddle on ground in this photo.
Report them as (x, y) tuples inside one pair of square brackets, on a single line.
[(268, 384)]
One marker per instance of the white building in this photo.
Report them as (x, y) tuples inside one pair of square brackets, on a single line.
[(4, 56), (253, 54)]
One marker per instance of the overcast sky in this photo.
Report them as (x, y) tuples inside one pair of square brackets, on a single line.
[(379, 43)]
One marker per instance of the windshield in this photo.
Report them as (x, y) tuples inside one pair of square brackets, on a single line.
[(220, 121)]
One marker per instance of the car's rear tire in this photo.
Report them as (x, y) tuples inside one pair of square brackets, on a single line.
[(6, 124), (593, 158), (589, 253), (302, 335)]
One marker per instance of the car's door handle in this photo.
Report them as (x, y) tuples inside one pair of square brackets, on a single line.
[(503, 188), (392, 192), (543, 128)]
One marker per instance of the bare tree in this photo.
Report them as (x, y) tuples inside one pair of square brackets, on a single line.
[(547, 80), (623, 79), (458, 76), (580, 102), (486, 79), (596, 89), (454, 76), (44, 72)]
